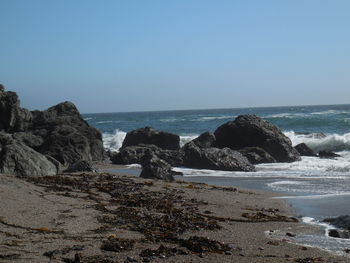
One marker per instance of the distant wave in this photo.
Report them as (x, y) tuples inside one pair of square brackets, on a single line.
[(332, 142), (87, 119), (101, 122), (209, 118)]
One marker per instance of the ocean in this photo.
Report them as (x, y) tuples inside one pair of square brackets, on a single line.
[(317, 188)]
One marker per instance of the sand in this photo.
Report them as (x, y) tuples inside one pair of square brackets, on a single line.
[(81, 217)]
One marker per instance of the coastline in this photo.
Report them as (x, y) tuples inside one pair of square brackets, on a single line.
[(61, 220)]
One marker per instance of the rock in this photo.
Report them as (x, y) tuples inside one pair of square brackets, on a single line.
[(2, 88), (155, 168), (340, 222), (304, 150), (66, 136), (252, 131), (205, 140), (29, 139), (215, 159), (148, 135), (12, 117), (134, 154), (257, 155), (21, 160), (80, 166), (328, 154), (339, 233)]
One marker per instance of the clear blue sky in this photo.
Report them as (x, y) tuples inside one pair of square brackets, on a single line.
[(109, 56)]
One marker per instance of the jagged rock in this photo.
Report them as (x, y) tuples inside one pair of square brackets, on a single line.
[(12, 117), (155, 168), (257, 155), (252, 131), (2, 88), (80, 166), (134, 154), (328, 154), (148, 135), (205, 140), (21, 160), (304, 150), (66, 136), (215, 159)]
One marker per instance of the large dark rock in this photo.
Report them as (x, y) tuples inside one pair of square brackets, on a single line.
[(12, 117), (134, 154), (327, 154), (80, 166), (304, 150), (205, 140), (342, 222), (215, 159), (18, 159), (148, 135), (336, 233), (252, 131), (257, 155), (66, 136), (156, 168)]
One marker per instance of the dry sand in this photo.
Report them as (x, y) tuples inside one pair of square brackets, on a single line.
[(81, 217)]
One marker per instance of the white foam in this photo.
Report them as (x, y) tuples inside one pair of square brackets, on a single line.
[(187, 138), (87, 119), (114, 141), (332, 142)]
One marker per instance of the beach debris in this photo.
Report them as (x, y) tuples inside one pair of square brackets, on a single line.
[(9, 256), (162, 252), (117, 244), (198, 244), (309, 260), (79, 258), (272, 217)]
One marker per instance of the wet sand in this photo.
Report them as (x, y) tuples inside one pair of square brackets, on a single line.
[(104, 217)]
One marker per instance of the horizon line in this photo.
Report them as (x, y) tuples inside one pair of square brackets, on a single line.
[(203, 109)]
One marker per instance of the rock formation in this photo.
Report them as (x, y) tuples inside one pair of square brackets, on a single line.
[(252, 131), (148, 135)]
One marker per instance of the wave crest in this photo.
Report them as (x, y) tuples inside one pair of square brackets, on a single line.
[(332, 142)]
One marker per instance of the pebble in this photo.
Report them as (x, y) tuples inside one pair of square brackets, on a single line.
[(228, 253), (130, 259)]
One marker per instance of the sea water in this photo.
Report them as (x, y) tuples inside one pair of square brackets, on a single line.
[(318, 188)]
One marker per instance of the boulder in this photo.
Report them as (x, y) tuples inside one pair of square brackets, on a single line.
[(257, 155), (205, 140), (80, 166), (252, 131), (342, 222), (134, 154), (327, 154), (155, 168), (304, 150), (336, 233), (215, 159), (12, 117), (21, 160), (148, 135), (66, 136)]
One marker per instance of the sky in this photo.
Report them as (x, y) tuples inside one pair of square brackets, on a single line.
[(138, 55)]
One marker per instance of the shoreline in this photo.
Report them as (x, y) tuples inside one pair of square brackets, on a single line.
[(72, 216)]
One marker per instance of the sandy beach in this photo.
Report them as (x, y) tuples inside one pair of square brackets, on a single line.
[(106, 217)]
